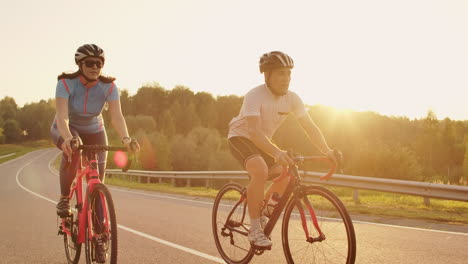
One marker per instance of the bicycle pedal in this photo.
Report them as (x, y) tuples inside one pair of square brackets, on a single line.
[(260, 248)]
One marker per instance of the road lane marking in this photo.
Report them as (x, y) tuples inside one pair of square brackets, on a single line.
[(153, 238), (26, 189), (7, 155), (167, 243)]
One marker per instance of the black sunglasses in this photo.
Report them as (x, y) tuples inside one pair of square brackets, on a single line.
[(91, 63)]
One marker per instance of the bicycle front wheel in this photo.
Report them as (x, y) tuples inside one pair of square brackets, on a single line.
[(337, 241), (69, 229), (230, 225), (101, 236)]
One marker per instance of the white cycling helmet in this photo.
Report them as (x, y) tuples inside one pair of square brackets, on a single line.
[(89, 50), (275, 59)]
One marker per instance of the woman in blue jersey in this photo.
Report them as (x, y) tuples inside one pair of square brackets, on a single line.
[(80, 99)]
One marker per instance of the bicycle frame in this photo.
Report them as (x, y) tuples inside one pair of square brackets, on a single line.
[(293, 191), (84, 215)]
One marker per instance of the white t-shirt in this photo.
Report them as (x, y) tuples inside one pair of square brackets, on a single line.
[(271, 109)]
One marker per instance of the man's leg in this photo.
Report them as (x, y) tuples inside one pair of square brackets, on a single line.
[(278, 187), (249, 155), (258, 171)]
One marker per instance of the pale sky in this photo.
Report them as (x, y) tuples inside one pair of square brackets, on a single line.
[(399, 57)]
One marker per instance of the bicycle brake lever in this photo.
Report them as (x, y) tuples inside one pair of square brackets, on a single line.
[(127, 166)]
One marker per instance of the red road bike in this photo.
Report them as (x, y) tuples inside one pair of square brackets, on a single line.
[(92, 219), (316, 226)]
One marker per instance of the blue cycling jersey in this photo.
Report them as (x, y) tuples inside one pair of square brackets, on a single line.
[(86, 102)]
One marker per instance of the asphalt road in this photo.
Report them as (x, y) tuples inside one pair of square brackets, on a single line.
[(165, 228)]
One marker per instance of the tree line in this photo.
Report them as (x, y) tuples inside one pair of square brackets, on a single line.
[(181, 130)]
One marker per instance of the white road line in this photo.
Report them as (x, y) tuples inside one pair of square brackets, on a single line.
[(16, 159), (189, 250), (7, 155), (26, 189), (156, 239), (413, 228)]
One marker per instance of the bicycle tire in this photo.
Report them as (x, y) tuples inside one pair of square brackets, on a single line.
[(233, 247), (72, 249), (339, 245), (100, 190)]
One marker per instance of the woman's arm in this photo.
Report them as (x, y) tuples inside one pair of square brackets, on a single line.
[(117, 119), (61, 105)]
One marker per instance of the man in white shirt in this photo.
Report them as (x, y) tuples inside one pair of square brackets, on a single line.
[(263, 110)]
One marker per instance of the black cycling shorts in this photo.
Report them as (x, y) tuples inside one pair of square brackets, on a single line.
[(243, 149)]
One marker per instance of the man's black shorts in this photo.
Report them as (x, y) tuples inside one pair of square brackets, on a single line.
[(243, 149)]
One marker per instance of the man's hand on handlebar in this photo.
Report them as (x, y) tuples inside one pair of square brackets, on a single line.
[(337, 157), (283, 158)]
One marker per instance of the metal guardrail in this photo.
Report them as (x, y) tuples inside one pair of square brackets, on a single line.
[(426, 190)]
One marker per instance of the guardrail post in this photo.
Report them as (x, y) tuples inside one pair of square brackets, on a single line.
[(189, 183), (356, 196), (427, 202), (160, 180), (173, 181), (144, 179)]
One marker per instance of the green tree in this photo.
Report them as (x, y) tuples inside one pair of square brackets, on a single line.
[(227, 107), (150, 100), (206, 109), (167, 124), (36, 118), (183, 151), (12, 131), (8, 108)]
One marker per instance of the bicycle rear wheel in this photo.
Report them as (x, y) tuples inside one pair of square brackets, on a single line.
[(103, 225), (230, 225), (69, 229), (338, 243)]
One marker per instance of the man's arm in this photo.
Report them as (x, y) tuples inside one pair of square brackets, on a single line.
[(264, 143), (314, 134)]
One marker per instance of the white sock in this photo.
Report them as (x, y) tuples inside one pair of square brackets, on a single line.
[(255, 224)]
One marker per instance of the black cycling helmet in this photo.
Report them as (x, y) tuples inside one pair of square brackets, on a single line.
[(89, 50), (275, 59)]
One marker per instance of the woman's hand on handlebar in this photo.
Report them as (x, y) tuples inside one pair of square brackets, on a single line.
[(132, 145), (66, 148)]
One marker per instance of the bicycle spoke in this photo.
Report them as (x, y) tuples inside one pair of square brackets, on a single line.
[(229, 228), (333, 222)]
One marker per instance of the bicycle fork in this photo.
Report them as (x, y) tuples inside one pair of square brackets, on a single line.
[(313, 217)]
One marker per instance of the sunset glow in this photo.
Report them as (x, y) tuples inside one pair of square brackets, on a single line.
[(394, 57)]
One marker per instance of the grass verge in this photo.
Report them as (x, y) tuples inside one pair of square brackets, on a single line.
[(20, 150)]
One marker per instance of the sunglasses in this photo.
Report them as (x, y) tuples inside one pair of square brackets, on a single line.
[(91, 63)]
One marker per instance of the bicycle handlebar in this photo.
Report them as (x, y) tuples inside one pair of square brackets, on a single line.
[(102, 148), (333, 165), (75, 144), (298, 159)]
